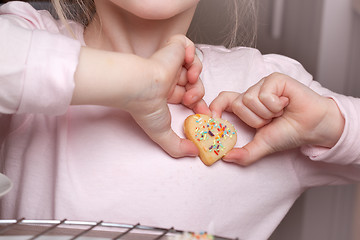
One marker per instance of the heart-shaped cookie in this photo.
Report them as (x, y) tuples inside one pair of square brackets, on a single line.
[(213, 136)]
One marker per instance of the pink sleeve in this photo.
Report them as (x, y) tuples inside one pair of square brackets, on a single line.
[(37, 62), (347, 149), (341, 163), (323, 166)]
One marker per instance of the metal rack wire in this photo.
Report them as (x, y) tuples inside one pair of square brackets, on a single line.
[(69, 230)]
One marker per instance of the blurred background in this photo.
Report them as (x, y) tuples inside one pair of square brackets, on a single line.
[(323, 35)]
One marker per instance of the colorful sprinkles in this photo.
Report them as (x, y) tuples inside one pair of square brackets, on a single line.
[(212, 129), (194, 236), (202, 235)]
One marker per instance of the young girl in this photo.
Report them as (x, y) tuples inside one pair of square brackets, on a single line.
[(93, 161)]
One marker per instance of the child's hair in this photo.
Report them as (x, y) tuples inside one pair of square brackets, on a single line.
[(80, 11), (230, 23), (234, 29)]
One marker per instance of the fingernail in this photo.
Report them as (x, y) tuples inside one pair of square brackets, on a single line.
[(195, 99), (215, 115)]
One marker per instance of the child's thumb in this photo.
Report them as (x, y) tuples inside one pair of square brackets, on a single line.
[(248, 154), (172, 54)]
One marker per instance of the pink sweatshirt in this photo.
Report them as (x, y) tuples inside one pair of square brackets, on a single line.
[(94, 163)]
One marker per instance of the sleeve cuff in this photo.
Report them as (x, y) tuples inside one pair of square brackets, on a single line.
[(347, 149)]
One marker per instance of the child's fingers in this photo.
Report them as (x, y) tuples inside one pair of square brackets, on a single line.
[(202, 108), (172, 55), (265, 100), (239, 156), (177, 95), (182, 77), (233, 102), (192, 63), (157, 125), (187, 44), (247, 115), (194, 69), (194, 93), (271, 94), (175, 146), (189, 49), (223, 102), (250, 153), (193, 98), (251, 100), (177, 91), (273, 103)]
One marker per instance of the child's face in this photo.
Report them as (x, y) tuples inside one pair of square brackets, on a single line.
[(156, 9)]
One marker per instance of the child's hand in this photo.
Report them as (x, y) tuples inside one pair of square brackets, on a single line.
[(285, 113), (143, 87), (176, 80), (189, 89)]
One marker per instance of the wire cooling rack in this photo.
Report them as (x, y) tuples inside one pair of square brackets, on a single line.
[(21, 229)]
